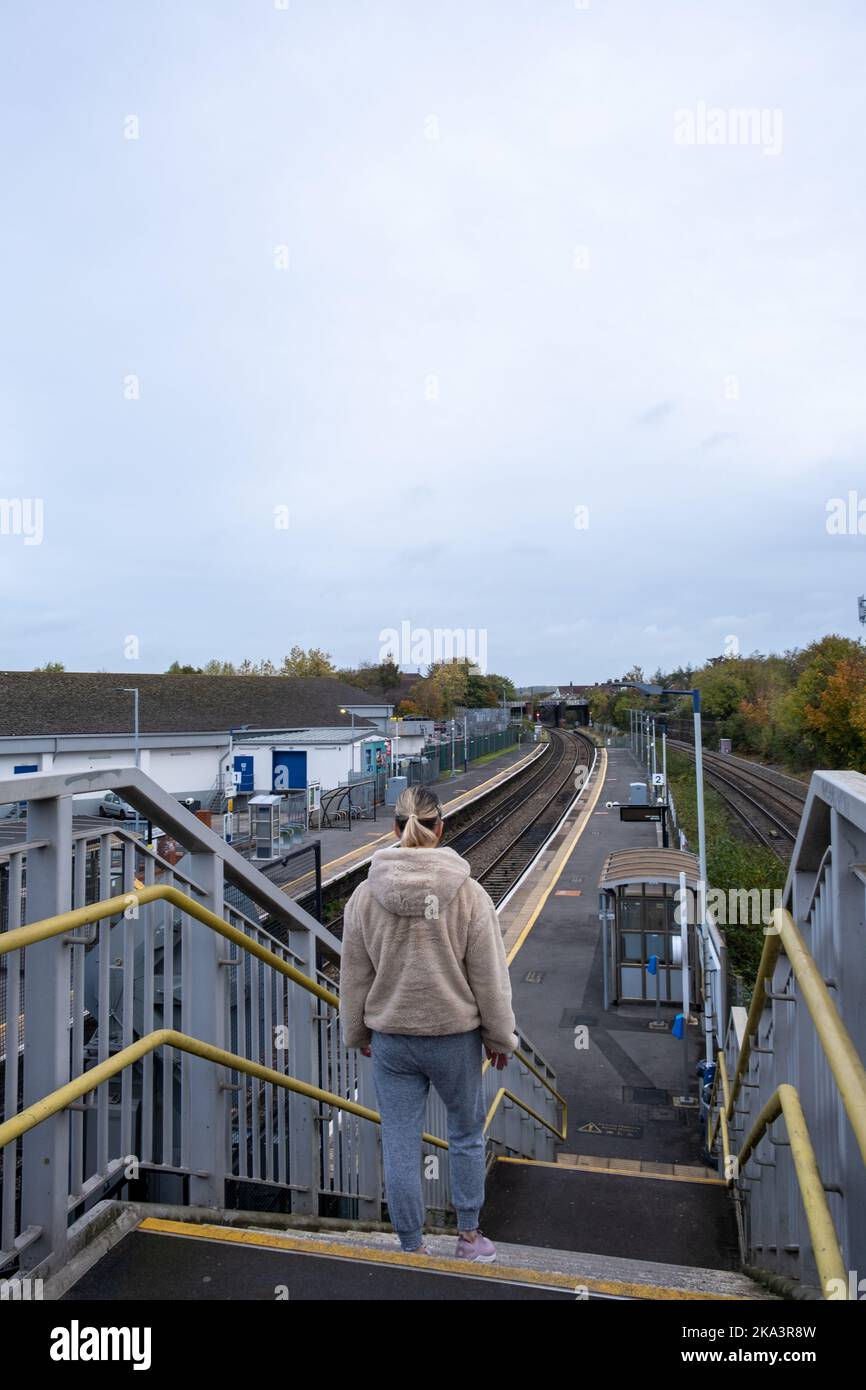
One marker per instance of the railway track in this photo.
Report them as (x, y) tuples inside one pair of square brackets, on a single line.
[(769, 803), (503, 837), (503, 841)]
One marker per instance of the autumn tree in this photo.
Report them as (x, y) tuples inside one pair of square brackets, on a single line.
[(314, 662)]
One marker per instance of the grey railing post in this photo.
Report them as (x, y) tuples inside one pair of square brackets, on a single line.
[(45, 1149), (205, 1109), (305, 1136), (370, 1148)]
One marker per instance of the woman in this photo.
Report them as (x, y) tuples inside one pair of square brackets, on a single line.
[(424, 989)]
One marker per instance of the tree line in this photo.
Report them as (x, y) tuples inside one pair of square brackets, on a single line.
[(805, 707), (444, 686)]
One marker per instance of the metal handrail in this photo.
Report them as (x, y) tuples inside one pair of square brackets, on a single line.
[(504, 1093), (825, 1243), (847, 1070), (721, 1115), (82, 1085), (68, 921), (111, 907), (842, 1057)]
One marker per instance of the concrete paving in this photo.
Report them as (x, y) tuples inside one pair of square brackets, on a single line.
[(556, 981)]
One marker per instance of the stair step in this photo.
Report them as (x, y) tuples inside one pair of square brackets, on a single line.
[(600, 1275), (629, 1167), (617, 1213)]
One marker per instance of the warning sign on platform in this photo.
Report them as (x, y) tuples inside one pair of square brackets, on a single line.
[(618, 1131)]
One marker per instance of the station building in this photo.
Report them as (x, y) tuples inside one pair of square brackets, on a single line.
[(193, 731)]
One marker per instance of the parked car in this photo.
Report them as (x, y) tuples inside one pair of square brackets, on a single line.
[(114, 806)]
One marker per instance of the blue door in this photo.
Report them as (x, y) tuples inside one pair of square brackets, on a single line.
[(290, 771), (244, 765)]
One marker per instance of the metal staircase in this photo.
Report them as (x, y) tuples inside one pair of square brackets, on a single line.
[(176, 1051), (174, 1085)]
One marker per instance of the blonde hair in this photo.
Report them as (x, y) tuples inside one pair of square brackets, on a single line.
[(417, 813)]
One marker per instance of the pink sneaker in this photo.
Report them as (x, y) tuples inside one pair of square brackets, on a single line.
[(480, 1250)]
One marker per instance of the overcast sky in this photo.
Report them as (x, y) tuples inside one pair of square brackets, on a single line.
[(326, 318)]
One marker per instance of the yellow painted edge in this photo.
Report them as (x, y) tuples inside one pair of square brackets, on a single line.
[(567, 852), (368, 1255), (618, 1172)]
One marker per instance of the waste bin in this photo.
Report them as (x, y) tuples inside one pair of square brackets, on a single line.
[(393, 787)]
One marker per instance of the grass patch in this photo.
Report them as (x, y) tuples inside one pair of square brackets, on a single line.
[(476, 762)]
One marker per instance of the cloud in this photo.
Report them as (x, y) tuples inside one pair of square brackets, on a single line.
[(656, 413), (719, 437), (420, 554)]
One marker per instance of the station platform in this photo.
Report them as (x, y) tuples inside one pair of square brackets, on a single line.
[(620, 1091), (345, 850)]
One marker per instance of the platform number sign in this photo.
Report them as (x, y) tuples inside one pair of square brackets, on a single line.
[(658, 779)]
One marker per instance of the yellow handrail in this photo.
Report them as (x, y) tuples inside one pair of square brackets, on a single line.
[(842, 1056), (825, 1244), (82, 1085), (85, 916), (169, 1037), (503, 1092), (721, 1116), (111, 907), (848, 1073)]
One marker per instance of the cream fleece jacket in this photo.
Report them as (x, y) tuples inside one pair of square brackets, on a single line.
[(423, 952)]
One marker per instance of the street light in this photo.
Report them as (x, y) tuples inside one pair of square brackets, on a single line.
[(131, 690), (230, 765), (646, 689)]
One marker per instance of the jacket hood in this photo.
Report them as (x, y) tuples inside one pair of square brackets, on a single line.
[(405, 880)]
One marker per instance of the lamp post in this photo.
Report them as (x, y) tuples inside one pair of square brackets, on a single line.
[(699, 759), (133, 691), (230, 766), (683, 1019)]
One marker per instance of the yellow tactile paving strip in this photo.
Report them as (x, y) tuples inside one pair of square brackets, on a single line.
[(368, 1255)]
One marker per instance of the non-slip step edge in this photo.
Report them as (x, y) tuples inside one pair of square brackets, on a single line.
[(535, 1266)]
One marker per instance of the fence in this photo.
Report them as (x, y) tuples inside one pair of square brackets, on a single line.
[(795, 1066), (451, 752), (353, 800)]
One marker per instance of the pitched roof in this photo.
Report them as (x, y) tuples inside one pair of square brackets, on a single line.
[(85, 702)]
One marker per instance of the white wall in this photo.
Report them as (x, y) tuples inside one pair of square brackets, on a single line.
[(181, 771), (184, 771), (329, 765)]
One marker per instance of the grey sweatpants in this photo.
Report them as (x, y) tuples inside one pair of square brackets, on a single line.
[(404, 1065)]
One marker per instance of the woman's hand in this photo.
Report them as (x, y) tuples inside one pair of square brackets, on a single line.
[(498, 1059), (365, 1051)]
